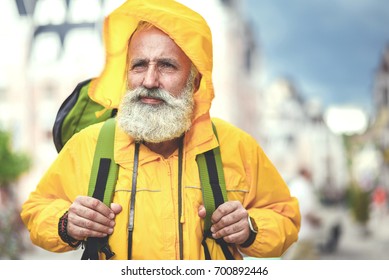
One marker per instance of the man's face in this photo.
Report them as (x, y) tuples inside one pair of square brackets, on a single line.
[(159, 103), (155, 61)]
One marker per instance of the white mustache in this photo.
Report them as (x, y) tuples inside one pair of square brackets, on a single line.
[(156, 93)]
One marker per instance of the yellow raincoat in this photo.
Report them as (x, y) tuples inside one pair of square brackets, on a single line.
[(250, 176)]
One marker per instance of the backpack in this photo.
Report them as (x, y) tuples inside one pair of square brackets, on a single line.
[(79, 111)]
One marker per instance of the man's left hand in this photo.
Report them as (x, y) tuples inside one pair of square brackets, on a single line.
[(229, 221)]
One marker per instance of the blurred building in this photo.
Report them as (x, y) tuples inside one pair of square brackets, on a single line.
[(294, 136), (51, 45), (236, 61), (379, 130)]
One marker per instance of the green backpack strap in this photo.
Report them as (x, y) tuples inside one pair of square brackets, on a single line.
[(212, 181), (104, 170), (102, 184), (214, 191)]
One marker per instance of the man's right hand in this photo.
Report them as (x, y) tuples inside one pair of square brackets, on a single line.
[(89, 217)]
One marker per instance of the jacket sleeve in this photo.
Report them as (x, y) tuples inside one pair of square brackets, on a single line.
[(263, 192), (66, 178), (269, 202)]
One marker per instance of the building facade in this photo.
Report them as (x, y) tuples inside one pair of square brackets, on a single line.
[(379, 130), (294, 135)]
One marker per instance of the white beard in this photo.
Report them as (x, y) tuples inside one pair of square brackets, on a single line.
[(156, 123)]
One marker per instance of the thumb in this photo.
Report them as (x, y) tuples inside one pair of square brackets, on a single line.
[(202, 212), (116, 208)]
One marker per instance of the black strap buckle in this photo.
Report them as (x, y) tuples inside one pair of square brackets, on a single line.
[(107, 251)]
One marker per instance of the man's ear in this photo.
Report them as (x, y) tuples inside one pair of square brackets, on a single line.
[(197, 81)]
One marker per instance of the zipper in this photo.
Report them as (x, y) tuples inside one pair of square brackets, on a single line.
[(180, 225)]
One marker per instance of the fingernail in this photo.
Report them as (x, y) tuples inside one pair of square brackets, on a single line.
[(110, 230), (212, 229), (112, 216), (112, 224)]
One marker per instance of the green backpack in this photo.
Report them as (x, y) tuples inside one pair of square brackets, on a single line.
[(79, 111)]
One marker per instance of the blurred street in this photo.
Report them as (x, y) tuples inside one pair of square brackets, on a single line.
[(354, 244)]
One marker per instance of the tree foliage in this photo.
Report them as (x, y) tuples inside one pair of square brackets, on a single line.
[(12, 163)]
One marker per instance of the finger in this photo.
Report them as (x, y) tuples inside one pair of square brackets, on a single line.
[(93, 225), (238, 215), (237, 237), (94, 204), (116, 208), (228, 230), (81, 233), (78, 215), (202, 212), (223, 210)]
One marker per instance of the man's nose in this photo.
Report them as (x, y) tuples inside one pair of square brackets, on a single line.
[(151, 78)]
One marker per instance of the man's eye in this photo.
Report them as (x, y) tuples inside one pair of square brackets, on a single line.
[(167, 65), (139, 66)]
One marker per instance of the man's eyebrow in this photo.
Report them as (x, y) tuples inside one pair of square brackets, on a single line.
[(158, 60), (138, 60), (168, 60)]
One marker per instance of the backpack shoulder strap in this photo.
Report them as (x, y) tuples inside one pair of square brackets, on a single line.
[(102, 184), (104, 170), (212, 181), (214, 191)]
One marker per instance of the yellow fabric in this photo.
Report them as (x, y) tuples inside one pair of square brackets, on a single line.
[(187, 28), (250, 176)]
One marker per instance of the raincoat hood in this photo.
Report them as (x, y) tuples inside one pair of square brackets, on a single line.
[(187, 28)]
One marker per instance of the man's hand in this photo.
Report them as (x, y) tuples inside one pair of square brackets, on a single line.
[(229, 221), (89, 217)]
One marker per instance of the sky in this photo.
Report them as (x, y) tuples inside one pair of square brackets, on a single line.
[(329, 49)]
